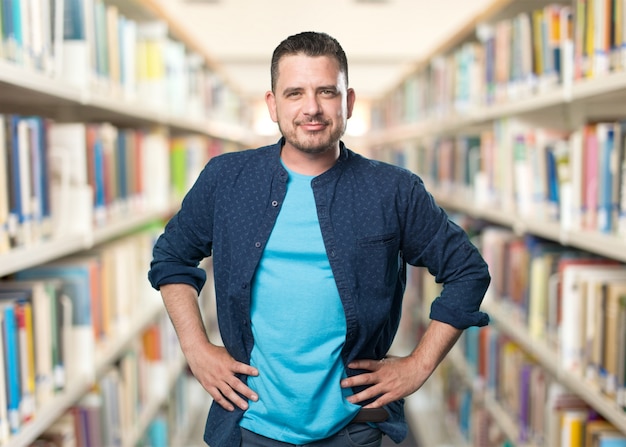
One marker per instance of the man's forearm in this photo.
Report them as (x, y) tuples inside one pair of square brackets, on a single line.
[(181, 303), (437, 341)]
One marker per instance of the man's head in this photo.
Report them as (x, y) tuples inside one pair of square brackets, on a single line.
[(310, 99), (309, 43)]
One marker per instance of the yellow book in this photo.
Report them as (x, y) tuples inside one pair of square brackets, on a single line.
[(24, 314), (538, 41), (589, 39)]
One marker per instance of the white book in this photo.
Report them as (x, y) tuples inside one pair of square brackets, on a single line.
[(4, 190), (71, 197), (575, 326), (24, 236)]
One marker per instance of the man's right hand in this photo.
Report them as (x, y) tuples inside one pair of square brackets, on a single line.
[(215, 369), (212, 365)]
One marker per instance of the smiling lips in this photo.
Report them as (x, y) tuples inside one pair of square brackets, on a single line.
[(313, 125)]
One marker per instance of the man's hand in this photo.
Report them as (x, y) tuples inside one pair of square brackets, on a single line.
[(215, 369), (390, 379), (212, 365), (393, 378)]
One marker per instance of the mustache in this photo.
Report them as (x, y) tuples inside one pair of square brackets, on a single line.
[(313, 121)]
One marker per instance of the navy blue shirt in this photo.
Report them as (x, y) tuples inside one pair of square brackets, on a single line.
[(374, 218)]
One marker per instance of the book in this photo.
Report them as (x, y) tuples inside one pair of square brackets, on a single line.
[(4, 189), (613, 336), (11, 352), (71, 198), (24, 317), (4, 418), (574, 329), (80, 361), (595, 282), (606, 174), (42, 296), (74, 54)]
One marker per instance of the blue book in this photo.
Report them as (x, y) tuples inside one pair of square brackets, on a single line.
[(122, 166), (42, 180), (7, 19), (605, 178), (16, 16), (611, 441), (99, 181), (12, 361), (73, 20), (157, 432), (76, 286)]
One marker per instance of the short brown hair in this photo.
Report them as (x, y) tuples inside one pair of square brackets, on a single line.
[(311, 44)]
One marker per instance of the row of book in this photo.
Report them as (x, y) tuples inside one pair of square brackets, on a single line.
[(498, 380), (572, 301), (59, 178), (111, 413), (57, 317), (577, 179), (96, 46), (571, 305), (511, 59)]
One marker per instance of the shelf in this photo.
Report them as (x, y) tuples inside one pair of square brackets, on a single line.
[(607, 245), (26, 91), (106, 355), (48, 250), (595, 98), (549, 359), (41, 252)]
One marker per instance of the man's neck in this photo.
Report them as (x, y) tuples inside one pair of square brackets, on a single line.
[(309, 164)]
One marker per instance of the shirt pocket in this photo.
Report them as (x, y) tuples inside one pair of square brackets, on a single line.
[(378, 264)]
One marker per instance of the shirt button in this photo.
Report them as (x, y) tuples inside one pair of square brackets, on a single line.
[(244, 285), (274, 203), (332, 253), (257, 244)]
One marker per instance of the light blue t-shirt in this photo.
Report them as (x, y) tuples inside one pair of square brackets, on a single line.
[(299, 330)]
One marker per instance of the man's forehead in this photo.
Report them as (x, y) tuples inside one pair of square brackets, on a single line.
[(293, 61)]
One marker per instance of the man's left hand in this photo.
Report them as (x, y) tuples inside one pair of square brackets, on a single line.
[(389, 379)]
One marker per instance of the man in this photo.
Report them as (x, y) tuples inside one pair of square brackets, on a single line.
[(310, 243)]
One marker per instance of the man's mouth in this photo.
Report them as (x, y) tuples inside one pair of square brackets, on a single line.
[(313, 125)]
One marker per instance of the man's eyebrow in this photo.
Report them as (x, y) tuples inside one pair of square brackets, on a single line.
[(288, 90)]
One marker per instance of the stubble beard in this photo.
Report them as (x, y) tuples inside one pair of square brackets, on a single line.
[(313, 146)]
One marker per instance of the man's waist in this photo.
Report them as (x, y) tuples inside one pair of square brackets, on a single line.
[(366, 415)]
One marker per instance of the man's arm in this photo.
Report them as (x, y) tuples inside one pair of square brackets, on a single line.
[(394, 378), (212, 365)]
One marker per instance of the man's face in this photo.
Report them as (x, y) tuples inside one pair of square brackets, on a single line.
[(311, 102)]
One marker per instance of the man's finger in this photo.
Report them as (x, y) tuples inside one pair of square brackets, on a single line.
[(370, 365), (242, 368)]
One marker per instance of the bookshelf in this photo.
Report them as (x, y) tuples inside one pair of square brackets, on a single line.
[(485, 120), (123, 81)]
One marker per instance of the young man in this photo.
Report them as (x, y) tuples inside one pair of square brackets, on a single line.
[(310, 243)]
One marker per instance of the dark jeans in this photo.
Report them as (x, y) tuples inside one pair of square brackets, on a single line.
[(354, 435)]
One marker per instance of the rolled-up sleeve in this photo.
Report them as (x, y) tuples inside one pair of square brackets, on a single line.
[(433, 241), (187, 238)]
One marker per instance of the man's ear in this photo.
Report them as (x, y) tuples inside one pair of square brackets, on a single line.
[(270, 100), (351, 97)]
